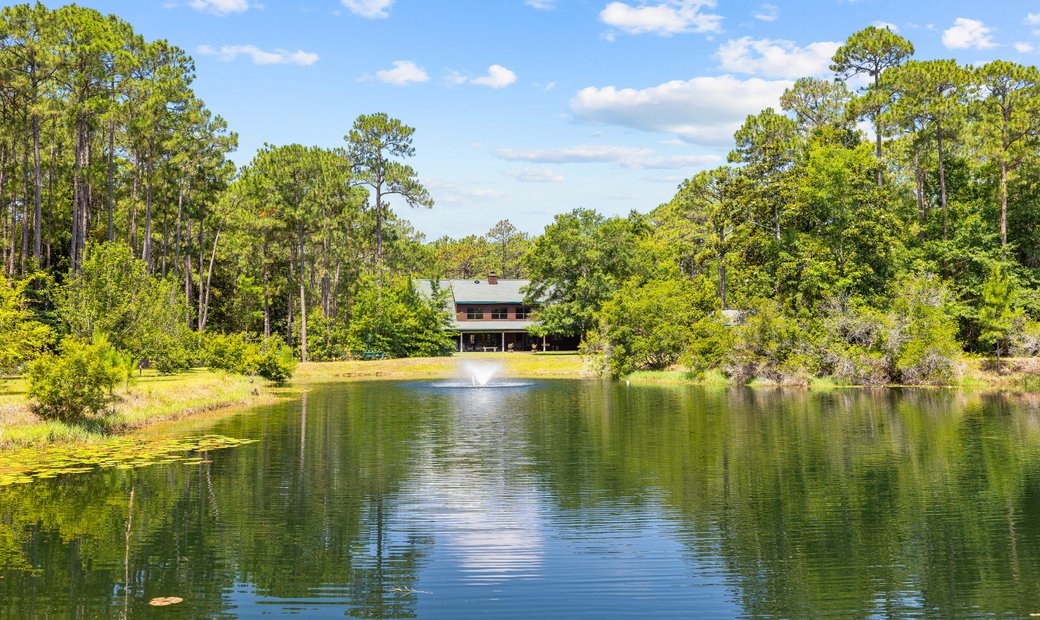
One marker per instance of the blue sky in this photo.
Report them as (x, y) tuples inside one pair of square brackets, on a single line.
[(528, 108)]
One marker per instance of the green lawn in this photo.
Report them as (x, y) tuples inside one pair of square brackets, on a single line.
[(151, 398)]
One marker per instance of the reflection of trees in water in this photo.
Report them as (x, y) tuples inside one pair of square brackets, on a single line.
[(870, 502), (300, 515), (822, 502)]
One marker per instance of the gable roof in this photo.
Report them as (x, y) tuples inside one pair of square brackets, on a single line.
[(477, 291)]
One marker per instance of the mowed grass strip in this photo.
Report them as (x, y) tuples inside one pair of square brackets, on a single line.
[(517, 365)]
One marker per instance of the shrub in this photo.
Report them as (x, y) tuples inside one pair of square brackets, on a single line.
[(271, 359), (80, 379), (648, 324), (922, 341), (763, 346), (275, 361)]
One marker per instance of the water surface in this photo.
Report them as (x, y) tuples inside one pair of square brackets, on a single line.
[(557, 499)]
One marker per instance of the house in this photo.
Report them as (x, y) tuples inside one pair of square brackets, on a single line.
[(490, 315)]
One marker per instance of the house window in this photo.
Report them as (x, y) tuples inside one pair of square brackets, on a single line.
[(473, 313), (522, 312), (500, 314)]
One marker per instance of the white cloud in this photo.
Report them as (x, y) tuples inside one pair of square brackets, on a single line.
[(372, 9), (220, 7), (1033, 19), (541, 5), (624, 156), (497, 77), (536, 175), (404, 71), (701, 110), (883, 24), (776, 58), (766, 13), (228, 53), (1023, 48), (967, 33), (664, 18)]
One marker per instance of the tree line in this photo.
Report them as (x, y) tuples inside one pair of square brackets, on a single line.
[(867, 258)]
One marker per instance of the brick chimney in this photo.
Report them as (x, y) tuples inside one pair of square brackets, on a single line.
[(492, 278)]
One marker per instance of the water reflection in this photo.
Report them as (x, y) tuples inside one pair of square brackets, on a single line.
[(560, 499)]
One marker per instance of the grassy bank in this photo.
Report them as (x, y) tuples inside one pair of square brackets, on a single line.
[(150, 399), (1017, 374), (526, 365)]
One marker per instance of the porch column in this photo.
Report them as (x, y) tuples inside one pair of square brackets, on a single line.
[(503, 342), (543, 343), (460, 342)]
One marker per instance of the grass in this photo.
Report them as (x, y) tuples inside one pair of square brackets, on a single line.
[(525, 365), (152, 398)]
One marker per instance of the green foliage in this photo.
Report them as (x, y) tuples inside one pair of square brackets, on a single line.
[(139, 313), (400, 322), (577, 265), (78, 380), (923, 338), (997, 316), (22, 337), (271, 359), (769, 345), (647, 325)]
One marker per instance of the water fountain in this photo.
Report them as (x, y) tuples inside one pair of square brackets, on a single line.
[(480, 373)]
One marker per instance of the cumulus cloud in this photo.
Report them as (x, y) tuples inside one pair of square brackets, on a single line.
[(883, 24), (497, 77), (536, 175), (403, 72), (766, 13), (1023, 48), (220, 7), (663, 19), (776, 58), (541, 5), (372, 9), (700, 110), (228, 53), (624, 156), (968, 33)]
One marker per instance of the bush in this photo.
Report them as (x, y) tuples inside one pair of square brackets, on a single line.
[(647, 324), (271, 359), (275, 361), (922, 341), (770, 345), (141, 314), (80, 379)]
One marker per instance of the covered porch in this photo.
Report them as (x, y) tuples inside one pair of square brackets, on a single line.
[(501, 341)]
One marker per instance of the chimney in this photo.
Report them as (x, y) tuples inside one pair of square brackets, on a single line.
[(492, 278)]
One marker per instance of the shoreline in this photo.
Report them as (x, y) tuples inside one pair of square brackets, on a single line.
[(169, 404)]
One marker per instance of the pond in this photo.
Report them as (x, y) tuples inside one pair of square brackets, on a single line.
[(556, 499)]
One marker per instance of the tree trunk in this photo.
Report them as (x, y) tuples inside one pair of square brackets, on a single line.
[(303, 297), (209, 279), (722, 267), (37, 192), (177, 234), (202, 264), (50, 196), (27, 198), (922, 216), (267, 291), (942, 180), (146, 243), (111, 173), (1003, 209), (133, 204)]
